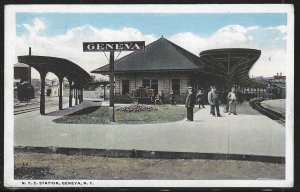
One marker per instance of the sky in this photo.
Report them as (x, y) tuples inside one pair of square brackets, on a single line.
[(62, 34)]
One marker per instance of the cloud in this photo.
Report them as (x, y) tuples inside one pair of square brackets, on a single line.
[(251, 28), (189, 41), (281, 28), (271, 40), (36, 26), (69, 45)]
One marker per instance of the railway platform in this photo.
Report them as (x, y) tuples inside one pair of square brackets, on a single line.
[(277, 105), (248, 133)]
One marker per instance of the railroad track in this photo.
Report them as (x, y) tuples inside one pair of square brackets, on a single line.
[(30, 109), (270, 113)]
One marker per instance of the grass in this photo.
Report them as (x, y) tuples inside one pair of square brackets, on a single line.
[(100, 115), (91, 115)]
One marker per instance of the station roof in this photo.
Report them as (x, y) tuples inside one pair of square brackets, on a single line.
[(232, 63), (60, 67), (161, 55)]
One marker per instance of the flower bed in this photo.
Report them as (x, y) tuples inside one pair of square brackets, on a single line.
[(137, 108)]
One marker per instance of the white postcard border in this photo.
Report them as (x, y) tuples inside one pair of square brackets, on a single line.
[(10, 32)]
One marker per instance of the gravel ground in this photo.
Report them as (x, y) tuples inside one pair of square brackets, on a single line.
[(57, 166)]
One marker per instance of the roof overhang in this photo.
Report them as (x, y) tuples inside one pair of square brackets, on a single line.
[(232, 63), (60, 67)]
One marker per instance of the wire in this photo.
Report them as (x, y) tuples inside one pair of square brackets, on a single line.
[(106, 56), (118, 55)]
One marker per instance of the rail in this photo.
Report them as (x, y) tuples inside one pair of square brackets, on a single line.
[(30, 109), (268, 112)]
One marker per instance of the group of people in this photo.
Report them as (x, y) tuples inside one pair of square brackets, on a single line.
[(160, 99), (213, 98)]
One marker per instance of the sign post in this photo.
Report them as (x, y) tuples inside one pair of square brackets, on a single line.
[(112, 84), (112, 47)]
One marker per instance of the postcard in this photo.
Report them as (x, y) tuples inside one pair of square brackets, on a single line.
[(149, 95)]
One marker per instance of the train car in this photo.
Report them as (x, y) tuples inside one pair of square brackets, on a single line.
[(25, 91)]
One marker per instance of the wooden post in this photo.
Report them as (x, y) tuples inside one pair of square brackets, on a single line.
[(111, 83), (60, 93), (81, 95), (29, 73), (104, 90), (42, 97), (256, 92), (76, 97), (70, 93)]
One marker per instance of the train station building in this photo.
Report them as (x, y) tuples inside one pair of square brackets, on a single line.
[(162, 67), (165, 66)]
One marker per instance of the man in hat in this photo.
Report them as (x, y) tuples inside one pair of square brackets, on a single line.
[(189, 103), (217, 101), (200, 98), (211, 100)]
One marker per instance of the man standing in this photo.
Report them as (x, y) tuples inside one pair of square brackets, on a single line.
[(232, 101), (217, 102), (161, 97), (211, 100), (200, 98), (172, 97), (189, 104)]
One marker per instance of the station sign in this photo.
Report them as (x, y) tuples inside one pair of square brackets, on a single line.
[(113, 46)]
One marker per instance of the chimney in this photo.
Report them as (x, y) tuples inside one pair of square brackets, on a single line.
[(280, 74), (277, 75), (29, 51)]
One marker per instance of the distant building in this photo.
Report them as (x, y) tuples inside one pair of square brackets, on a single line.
[(52, 88), (22, 72), (276, 79), (279, 78), (36, 82), (48, 82), (276, 86)]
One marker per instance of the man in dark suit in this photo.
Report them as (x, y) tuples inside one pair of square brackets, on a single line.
[(217, 102), (189, 104)]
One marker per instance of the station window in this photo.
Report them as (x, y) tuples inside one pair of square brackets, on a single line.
[(125, 86), (146, 83), (176, 86)]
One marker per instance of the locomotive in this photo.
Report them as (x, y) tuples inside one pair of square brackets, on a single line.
[(25, 91), (274, 91)]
